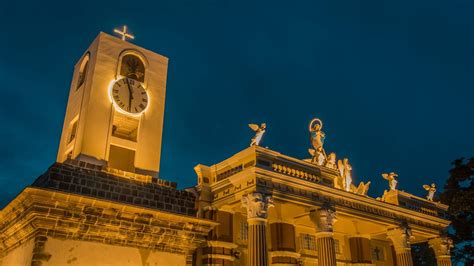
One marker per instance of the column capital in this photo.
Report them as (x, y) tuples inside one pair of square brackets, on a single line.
[(324, 218), (400, 238), (257, 205), (441, 246)]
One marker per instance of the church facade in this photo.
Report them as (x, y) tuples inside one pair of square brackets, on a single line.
[(103, 201)]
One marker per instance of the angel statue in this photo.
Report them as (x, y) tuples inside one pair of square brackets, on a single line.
[(259, 131), (331, 161), (345, 169), (392, 180), (431, 191), (317, 137), (362, 189)]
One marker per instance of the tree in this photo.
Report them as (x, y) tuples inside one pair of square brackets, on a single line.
[(459, 195), (423, 255)]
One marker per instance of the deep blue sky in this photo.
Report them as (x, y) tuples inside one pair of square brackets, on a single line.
[(392, 80)]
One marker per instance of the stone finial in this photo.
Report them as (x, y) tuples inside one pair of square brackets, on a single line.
[(324, 218), (257, 205)]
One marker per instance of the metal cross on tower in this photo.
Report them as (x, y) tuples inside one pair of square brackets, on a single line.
[(124, 33)]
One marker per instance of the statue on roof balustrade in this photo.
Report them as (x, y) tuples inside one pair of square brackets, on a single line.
[(431, 191), (362, 189), (331, 161), (345, 170), (392, 180), (317, 137), (259, 131)]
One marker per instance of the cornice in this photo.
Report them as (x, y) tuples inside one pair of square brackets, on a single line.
[(337, 195), (37, 211)]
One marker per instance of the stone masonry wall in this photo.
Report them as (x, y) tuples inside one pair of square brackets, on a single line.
[(92, 180)]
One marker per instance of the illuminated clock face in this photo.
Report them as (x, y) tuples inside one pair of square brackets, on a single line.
[(129, 96)]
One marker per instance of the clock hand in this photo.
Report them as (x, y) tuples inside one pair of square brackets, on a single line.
[(130, 95)]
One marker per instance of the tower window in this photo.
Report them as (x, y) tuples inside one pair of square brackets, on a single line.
[(83, 72), (132, 67), (72, 131), (125, 127)]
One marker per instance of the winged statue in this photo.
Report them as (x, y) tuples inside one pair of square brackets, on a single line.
[(431, 191), (392, 180), (345, 170), (362, 189), (259, 131)]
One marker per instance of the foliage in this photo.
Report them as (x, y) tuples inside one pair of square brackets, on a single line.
[(459, 195), (423, 255)]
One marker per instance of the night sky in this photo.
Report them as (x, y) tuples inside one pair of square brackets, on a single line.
[(392, 81)]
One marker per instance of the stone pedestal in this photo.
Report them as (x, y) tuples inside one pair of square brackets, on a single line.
[(442, 249), (324, 219), (257, 206), (400, 238)]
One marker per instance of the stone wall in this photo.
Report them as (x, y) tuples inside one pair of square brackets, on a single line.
[(21, 255), (92, 180), (70, 252)]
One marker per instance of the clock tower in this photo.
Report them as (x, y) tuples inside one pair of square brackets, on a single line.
[(116, 104)]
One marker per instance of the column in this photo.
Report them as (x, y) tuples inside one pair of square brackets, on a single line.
[(257, 206), (324, 219), (400, 238), (442, 249)]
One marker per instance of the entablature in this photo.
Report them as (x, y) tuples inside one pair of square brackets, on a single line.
[(304, 184), (312, 195), (40, 211)]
